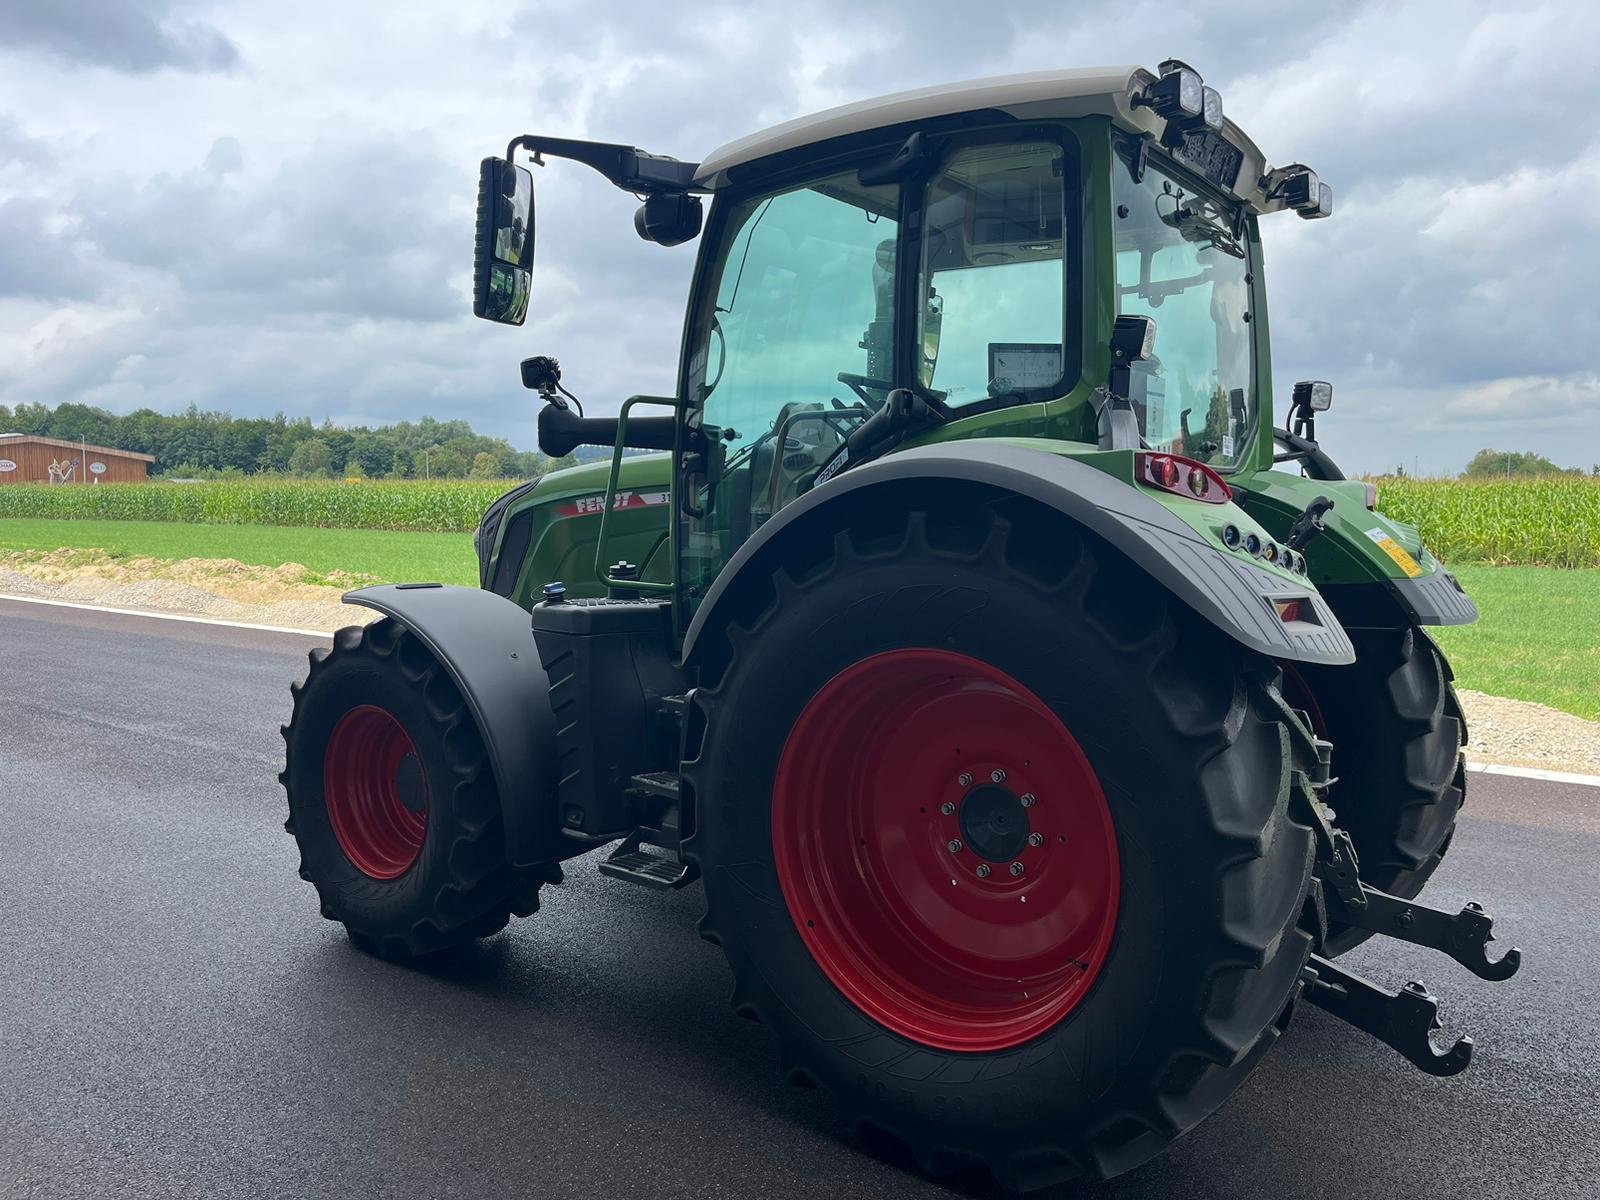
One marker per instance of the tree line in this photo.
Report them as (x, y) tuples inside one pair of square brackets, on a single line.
[(196, 444), (1510, 464)]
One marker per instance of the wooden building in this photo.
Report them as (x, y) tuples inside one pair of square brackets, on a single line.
[(28, 459)]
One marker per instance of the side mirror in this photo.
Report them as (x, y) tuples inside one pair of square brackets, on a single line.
[(502, 263)]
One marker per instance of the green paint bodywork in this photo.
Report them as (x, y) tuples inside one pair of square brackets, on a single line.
[(565, 543)]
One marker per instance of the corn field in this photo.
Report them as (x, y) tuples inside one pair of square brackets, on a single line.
[(444, 506), (1534, 522), (1548, 522)]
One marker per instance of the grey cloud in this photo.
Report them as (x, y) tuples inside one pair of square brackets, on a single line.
[(18, 149), (125, 35), (38, 259), (358, 230)]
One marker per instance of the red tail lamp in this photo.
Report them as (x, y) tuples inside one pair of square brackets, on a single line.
[(1181, 476)]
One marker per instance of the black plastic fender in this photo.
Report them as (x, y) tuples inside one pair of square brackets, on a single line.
[(1227, 588), (486, 643)]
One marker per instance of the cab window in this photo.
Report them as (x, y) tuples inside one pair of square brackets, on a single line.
[(993, 275)]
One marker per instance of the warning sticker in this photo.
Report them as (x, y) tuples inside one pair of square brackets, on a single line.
[(1396, 551)]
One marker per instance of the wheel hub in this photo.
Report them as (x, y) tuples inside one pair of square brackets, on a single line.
[(994, 823)]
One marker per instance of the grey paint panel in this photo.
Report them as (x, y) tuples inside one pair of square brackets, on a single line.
[(1437, 599), (1225, 588), (486, 643)]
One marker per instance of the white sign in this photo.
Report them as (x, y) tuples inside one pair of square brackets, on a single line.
[(7, 465), (99, 468)]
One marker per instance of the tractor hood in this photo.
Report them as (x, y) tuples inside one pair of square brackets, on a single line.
[(1037, 95)]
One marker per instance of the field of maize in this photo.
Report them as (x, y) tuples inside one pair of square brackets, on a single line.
[(1549, 522), (1552, 522), (446, 506)]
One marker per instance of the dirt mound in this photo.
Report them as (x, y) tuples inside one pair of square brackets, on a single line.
[(224, 589)]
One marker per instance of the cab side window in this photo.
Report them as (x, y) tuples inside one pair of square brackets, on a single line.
[(994, 276)]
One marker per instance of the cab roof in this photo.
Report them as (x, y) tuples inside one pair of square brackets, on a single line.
[(1036, 95)]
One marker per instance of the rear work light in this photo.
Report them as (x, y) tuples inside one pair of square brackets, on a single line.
[(1181, 476)]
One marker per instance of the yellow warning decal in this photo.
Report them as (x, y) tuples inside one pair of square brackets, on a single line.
[(1396, 551)]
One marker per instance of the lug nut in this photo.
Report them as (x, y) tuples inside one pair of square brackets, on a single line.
[(964, 779), (947, 808), (1016, 869), (1036, 839), (997, 775), (983, 870), (1028, 799), (955, 845)]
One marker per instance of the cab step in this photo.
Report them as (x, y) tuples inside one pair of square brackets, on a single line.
[(662, 784), (648, 865)]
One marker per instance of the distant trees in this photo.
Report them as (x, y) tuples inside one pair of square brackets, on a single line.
[(196, 443), (1507, 464)]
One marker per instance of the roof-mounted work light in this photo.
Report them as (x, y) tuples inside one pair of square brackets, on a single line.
[(1180, 93), (1298, 187)]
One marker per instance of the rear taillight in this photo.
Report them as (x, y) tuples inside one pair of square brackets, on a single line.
[(1181, 476)]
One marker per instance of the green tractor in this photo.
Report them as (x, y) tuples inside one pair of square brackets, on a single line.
[(1040, 721)]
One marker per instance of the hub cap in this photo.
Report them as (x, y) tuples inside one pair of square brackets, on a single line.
[(945, 850), (376, 791)]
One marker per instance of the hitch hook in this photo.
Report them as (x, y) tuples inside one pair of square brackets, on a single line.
[(1404, 1021)]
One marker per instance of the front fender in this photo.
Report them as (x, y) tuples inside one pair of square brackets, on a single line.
[(1225, 588), (486, 643)]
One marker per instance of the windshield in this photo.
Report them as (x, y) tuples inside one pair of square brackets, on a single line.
[(1183, 260)]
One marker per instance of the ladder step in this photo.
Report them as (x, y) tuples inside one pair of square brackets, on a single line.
[(657, 783), (629, 862)]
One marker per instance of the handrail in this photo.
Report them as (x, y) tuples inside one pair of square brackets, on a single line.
[(601, 566)]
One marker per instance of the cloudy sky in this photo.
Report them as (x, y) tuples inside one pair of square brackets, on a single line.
[(258, 207)]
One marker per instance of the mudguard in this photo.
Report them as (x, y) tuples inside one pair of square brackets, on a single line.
[(1225, 588), (486, 643)]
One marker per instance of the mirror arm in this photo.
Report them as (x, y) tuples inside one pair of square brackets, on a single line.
[(630, 168)]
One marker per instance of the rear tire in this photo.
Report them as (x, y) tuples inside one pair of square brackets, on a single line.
[(392, 799), (1186, 738), (1397, 733)]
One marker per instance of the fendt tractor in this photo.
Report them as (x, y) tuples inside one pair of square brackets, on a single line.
[(1041, 721)]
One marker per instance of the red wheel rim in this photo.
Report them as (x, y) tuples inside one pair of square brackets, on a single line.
[(896, 758), (376, 791)]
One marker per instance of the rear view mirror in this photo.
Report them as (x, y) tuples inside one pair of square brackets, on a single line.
[(502, 265)]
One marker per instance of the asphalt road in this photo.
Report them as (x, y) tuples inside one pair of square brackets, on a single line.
[(177, 1020)]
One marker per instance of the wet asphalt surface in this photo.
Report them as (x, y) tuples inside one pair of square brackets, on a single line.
[(177, 1020)]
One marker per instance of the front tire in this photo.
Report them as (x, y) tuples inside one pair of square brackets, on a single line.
[(392, 799), (1161, 949)]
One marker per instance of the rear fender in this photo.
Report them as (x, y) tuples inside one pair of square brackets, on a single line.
[(486, 643), (1225, 588)]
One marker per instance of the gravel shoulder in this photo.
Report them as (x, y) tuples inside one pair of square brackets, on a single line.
[(1508, 732), (224, 589)]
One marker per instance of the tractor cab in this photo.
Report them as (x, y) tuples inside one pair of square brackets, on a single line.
[(934, 266)]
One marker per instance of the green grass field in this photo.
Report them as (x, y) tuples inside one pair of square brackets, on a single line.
[(397, 557), (1538, 639)]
